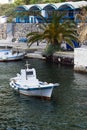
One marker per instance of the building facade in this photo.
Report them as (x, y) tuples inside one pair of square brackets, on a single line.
[(69, 8)]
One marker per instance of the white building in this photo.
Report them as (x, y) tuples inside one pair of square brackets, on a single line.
[(80, 59), (6, 1)]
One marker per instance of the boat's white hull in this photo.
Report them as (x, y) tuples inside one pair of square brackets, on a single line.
[(45, 91), (11, 58), (39, 92), (7, 55)]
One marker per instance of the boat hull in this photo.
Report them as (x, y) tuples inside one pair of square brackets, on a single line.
[(12, 58), (8, 55), (44, 92)]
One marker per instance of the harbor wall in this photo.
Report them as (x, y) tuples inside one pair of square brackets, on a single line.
[(19, 30), (80, 59), (3, 32), (64, 57)]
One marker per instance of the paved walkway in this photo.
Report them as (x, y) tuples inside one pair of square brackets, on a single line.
[(35, 51), (21, 45)]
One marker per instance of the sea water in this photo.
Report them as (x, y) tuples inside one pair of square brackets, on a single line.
[(67, 109)]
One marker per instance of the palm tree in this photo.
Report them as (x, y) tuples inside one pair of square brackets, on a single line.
[(54, 33)]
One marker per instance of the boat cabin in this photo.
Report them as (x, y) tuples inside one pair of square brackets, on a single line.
[(29, 76), (28, 73)]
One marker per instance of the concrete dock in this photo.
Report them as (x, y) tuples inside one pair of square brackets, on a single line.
[(64, 57), (35, 51)]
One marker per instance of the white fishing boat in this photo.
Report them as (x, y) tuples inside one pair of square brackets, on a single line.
[(11, 55), (27, 83)]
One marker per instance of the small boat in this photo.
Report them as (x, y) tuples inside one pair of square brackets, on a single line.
[(11, 55), (27, 84)]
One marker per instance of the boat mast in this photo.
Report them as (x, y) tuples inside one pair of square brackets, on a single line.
[(27, 65)]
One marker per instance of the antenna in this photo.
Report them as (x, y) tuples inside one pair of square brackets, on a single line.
[(27, 65)]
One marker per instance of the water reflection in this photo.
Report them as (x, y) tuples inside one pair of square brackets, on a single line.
[(80, 81)]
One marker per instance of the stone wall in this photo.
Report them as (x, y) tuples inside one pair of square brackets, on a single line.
[(3, 32), (20, 30)]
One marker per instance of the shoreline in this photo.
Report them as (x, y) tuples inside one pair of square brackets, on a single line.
[(35, 51)]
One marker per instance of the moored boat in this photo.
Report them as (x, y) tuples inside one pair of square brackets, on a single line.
[(27, 83), (10, 55)]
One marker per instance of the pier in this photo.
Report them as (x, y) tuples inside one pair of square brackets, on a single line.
[(64, 57), (35, 51)]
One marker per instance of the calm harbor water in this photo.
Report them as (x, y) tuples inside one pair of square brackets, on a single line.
[(67, 110)]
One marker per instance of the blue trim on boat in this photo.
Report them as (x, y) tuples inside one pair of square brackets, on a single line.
[(15, 57), (3, 50), (17, 84), (39, 88), (30, 89)]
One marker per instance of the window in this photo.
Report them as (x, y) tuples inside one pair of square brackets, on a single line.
[(29, 73)]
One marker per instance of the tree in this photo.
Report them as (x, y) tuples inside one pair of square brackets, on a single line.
[(82, 25), (45, 1), (5, 8), (54, 33), (26, 2), (19, 2), (22, 2)]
